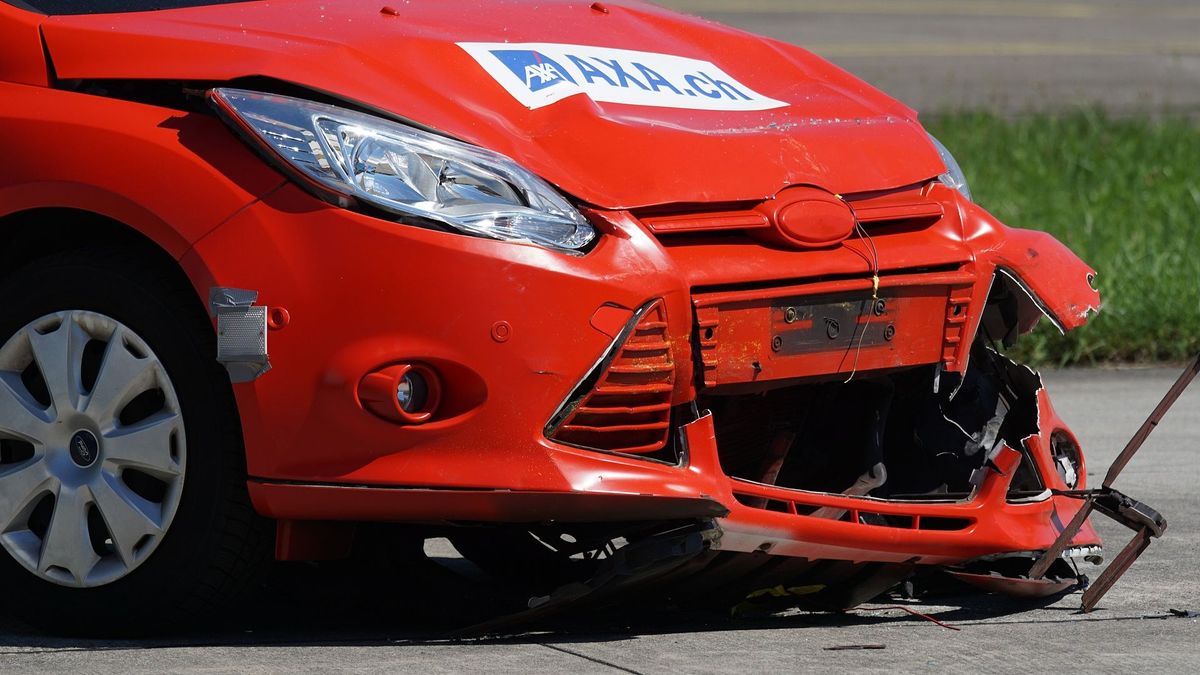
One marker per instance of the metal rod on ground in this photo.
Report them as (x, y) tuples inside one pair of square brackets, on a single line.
[(1043, 564), (1152, 421), (1064, 538), (1115, 569)]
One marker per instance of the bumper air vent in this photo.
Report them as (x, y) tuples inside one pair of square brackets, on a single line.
[(624, 404)]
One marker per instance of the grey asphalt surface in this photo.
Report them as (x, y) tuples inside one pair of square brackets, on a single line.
[(1009, 56), (357, 619)]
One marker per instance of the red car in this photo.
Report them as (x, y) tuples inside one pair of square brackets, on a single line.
[(599, 289)]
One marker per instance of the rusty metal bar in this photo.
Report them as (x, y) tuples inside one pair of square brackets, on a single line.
[(1115, 569), (777, 452), (1152, 421), (1043, 564)]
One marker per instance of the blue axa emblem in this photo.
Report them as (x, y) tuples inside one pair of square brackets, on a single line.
[(535, 69)]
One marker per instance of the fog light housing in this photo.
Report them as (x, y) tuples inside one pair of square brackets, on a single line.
[(407, 393)]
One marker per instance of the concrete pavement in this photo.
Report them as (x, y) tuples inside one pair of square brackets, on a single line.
[(1016, 56)]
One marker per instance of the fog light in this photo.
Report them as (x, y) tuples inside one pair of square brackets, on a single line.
[(405, 393), (411, 392)]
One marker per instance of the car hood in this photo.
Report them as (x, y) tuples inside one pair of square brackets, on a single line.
[(612, 139)]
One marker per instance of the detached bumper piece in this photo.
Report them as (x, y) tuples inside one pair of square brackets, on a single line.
[(1146, 522), (683, 564), (631, 568)]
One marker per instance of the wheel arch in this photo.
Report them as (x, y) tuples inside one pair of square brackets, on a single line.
[(33, 233), (62, 199)]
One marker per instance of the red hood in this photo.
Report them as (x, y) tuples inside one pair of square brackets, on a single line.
[(830, 129)]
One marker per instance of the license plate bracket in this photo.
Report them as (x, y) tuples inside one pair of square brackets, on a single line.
[(832, 322)]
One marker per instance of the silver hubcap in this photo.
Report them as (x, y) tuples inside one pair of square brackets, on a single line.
[(92, 449)]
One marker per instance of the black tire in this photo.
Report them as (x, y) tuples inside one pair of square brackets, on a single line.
[(216, 543)]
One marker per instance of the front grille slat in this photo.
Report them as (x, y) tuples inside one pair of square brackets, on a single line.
[(898, 208), (616, 428), (622, 410), (629, 408)]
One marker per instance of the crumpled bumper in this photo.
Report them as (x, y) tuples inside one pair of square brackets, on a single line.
[(618, 489), (362, 293)]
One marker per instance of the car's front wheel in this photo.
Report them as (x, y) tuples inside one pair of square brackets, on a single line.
[(122, 485)]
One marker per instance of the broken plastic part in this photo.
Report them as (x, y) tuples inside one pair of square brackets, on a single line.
[(628, 568), (1057, 282), (1020, 587), (889, 436), (874, 478)]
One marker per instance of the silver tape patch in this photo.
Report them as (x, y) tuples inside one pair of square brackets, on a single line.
[(241, 333)]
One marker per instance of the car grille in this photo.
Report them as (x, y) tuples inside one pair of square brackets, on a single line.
[(628, 409)]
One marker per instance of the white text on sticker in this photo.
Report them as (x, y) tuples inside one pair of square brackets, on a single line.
[(538, 74)]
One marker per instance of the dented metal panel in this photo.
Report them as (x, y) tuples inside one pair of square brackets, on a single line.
[(649, 155)]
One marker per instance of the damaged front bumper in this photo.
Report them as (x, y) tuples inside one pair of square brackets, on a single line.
[(750, 517), (676, 340), (788, 522)]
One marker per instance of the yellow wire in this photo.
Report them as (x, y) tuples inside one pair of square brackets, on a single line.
[(873, 262)]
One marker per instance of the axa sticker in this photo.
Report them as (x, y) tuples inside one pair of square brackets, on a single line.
[(538, 74)]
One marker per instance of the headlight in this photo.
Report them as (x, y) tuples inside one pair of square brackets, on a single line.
[(347, 157), (954, 175)]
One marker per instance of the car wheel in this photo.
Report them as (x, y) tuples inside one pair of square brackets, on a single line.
[(123, 505)]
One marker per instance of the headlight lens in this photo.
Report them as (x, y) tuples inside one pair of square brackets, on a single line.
[(345, 156), (954, 174)]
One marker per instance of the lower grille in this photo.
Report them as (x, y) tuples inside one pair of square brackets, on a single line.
[(628, 408)]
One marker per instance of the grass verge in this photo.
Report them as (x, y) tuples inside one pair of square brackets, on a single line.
[(1124, 194)]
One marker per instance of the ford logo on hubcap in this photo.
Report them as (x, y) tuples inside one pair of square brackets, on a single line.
[(84, 448)]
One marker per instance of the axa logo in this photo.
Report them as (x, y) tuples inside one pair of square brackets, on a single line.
[(538, 74), (535, 69)]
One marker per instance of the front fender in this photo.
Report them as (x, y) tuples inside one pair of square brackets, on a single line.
[(172, 175), (1056, 281)]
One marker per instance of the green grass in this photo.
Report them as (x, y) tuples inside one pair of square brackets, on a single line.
[(1124, 194)]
